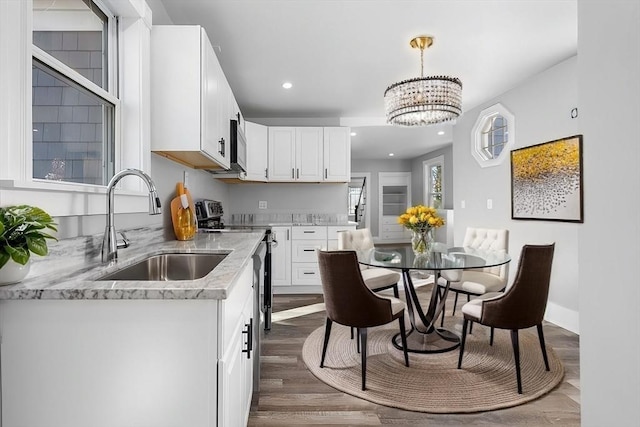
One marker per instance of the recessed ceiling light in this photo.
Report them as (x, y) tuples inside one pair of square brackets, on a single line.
[(441, 132), (390, 154), (354, 133), (287, 85)]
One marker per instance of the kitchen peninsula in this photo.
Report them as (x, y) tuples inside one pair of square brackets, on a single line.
[(77, 351)]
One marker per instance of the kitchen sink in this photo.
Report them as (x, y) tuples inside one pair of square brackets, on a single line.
[(168, 267)]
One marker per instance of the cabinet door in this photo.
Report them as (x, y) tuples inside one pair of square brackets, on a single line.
[(282, 151), (236, 371), (337, 154), (309, 141), (281, 257), (215, 93), (257, 153)]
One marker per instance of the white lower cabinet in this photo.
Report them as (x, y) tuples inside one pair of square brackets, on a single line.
[(104, 363), (281, 257), (294, 262), (235, 367)]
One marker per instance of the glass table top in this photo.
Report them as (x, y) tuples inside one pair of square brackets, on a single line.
[(441, 257)]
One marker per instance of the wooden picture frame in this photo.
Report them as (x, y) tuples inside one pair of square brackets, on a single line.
[(546, 181)]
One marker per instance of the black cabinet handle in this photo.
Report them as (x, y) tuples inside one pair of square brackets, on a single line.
[(308, 250), (249, 332), (221, 145), (293, 173)]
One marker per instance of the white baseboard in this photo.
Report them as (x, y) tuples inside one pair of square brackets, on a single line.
[(563, 317)]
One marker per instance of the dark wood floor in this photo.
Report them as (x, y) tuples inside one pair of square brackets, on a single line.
[(291, 396)]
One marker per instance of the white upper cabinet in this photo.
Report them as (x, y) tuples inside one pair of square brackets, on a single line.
[(282, 154), (257, 151), (337, 154), (190, 109), (309, 154)]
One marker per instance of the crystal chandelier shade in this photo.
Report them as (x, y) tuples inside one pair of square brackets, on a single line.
[(423, 100)]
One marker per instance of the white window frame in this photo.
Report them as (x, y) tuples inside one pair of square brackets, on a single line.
[(17, 185), (426, 173), (477, 137)]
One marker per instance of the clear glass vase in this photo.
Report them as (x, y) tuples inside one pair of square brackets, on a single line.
[(421, 242)]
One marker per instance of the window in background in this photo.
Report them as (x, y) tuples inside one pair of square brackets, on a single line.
[(492, 134), (74, 97), (434, 188)]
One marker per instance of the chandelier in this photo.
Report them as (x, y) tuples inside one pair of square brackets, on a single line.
[(423, 100)]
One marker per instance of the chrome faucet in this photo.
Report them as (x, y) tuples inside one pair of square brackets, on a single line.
[(110, 242)]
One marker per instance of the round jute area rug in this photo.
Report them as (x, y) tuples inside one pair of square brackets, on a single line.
[(432, 383)]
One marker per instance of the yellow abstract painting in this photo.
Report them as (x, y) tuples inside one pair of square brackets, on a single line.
[(546, 181)]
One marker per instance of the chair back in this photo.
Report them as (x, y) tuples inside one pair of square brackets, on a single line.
[(347, 299), (489, 239), (359, 240), (524, 303)]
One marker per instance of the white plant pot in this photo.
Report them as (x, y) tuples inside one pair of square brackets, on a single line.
[(12, 272)]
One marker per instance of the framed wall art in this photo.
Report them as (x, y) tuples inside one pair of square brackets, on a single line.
[(546, 181)]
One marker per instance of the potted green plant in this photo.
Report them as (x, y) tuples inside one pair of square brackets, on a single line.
[(23, 229)]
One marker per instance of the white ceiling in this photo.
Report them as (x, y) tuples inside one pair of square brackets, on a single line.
[(341, 55)]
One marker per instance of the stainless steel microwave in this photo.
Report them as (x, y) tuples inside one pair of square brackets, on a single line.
[(238, 143)]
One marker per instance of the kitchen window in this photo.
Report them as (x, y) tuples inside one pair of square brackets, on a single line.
[(74, 107), (74, 103)]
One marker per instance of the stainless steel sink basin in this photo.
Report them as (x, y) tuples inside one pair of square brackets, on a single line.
[(167, 267)]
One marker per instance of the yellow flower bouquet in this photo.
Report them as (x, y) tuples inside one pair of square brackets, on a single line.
[(421, 220)]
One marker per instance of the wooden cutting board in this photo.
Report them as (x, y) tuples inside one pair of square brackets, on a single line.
[(176, 204)]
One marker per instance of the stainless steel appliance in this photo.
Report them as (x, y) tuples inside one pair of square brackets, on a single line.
[(209, 214), (238, 143)]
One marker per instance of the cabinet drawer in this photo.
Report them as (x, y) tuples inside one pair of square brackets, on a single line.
[(390, 220), (305, 273), (305, 250), (394, 236), (309, 233), (392, 228), (332, 230)]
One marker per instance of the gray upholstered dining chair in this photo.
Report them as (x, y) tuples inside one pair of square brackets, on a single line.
[(519, 307), (376, 278), (478, 281), (349, 302)]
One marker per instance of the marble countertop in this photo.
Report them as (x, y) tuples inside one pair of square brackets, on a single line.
[(72, 267)]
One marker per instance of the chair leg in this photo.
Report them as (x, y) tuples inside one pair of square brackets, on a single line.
[(327, 332), (396, 293), (543, 346), (455, 304), (403, 337), (464, 339), (491, 338), (363, 356), (358, 340), (516, 354), (471, 328)]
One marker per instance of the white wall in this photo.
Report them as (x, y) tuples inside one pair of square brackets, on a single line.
[(542, 108), (609, 95), (288, 198)]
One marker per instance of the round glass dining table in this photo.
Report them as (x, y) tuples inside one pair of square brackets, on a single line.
[(425, 336)]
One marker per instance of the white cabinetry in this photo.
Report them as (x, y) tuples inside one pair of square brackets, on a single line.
[(190, 108), (235, 367), (295, 154), (257, 151), (337, 154), (295, 265), (304, 260), (394, 189), (309, 154), (281, 257), (160, 363)]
